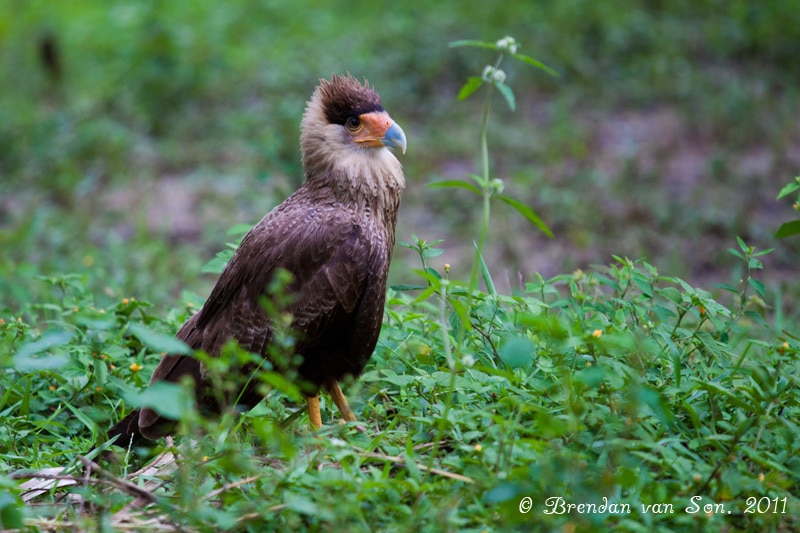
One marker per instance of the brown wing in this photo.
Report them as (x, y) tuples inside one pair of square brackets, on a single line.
[(331, 257)]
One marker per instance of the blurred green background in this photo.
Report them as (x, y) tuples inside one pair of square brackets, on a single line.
[(133, 134)]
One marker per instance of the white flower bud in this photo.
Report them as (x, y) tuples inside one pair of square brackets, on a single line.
[(497, 186), (488, 73), (499, 76), (508, 44)]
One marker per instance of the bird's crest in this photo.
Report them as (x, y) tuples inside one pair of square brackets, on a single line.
[(344, 96)]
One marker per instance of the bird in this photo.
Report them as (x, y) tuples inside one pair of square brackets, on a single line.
[(335, 236)]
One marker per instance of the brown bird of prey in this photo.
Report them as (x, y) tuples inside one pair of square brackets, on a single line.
[(335, 235)]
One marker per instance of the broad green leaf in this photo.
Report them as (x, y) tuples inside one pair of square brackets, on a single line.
[(790, 188), (157, 341), (24, 360), (757, 286), (429, 253), (736, 253), (726, 287), (167, 399), (672, 294), (527, 212), (508, 94), (473, 84), (744, 247), (517, 351), (788, 229), (408, 287), (535, 63), (471, 42), (660, 407), (458, 184), (11, 518), (218, 263)]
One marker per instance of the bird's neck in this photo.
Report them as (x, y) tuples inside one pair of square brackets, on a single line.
[(367, 179)]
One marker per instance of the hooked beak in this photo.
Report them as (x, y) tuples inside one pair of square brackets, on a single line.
[(394, 137)]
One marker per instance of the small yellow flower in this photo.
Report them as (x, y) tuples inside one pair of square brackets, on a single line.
[(597, 333), (125, 301), (52, 388), (478, 447), (761, 477), (135, 367), (447, 268), (99, 389)]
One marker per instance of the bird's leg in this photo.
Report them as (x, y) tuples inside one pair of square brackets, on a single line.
[(340, 401), (313, 411)]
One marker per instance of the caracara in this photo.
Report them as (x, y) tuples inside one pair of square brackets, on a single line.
[(335, 236)]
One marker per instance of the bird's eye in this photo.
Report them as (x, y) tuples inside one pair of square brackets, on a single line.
[(352, 123)]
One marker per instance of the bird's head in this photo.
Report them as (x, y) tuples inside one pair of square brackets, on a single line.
[(346, 125)]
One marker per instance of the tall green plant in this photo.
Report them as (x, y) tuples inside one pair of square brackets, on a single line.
[(484, 185)]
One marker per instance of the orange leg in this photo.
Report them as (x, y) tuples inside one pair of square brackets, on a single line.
[(340, 401), (313, 411)]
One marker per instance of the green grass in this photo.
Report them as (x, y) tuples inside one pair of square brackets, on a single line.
[(668, 133), (617, 382)]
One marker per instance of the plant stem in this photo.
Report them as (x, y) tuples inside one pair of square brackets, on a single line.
[(486, 187)]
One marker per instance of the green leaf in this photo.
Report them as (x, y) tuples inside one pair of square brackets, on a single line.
[(10, 515), (471, 42), (487, 276), (735, 252), (157, 341), (745, 248), (527, 212), (81, 416), (789, 189), (658, 404), (429, 253), (432, 274), (672, 294), (517, 352), (726, 287), (757, 286), (456, 184), (24, 360), (218, 263), (508, 94), (788, 229), (535, 63), (167, 399), (473, 84), (408, 287)]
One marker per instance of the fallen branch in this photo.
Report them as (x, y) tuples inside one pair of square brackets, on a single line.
[(401, 461)]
